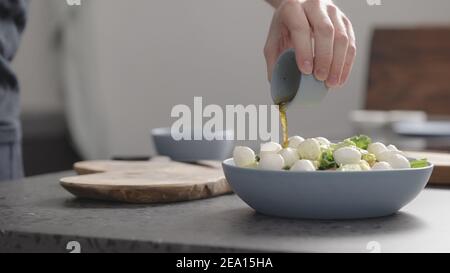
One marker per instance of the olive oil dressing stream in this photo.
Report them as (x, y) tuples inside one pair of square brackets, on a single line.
[(285, 86), (284, 125)]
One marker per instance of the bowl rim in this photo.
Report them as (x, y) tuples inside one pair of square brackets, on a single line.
[(229, 163)]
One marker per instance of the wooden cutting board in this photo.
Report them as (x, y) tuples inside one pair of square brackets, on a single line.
[(441, 161), (159, 181)]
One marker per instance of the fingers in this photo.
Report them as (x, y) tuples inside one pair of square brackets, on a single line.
[(323, 30), (271, 48), (341, 42), (351, 52), (271, 59), (290, 28), (323, 39), (300, 34)]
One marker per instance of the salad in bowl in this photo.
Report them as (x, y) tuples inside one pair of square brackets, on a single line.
[(357, 153), (317, 179)]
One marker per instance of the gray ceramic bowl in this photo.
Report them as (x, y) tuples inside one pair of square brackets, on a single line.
[(191, 150), (326, 195)]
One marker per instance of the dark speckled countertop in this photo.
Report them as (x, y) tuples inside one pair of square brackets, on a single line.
[(36, 215)]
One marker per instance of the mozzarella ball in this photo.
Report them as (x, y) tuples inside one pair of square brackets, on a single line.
[(244, 156), (309, 149), (295, 141), (347, 155), (364, 165), (350, 168), (303, 166), (376, 148), (388, 154), (270, 148), (323, 141), (394, 149), (273, 162), (391, 147), (379, 166), (289, 155), (397, 161), (385, 156)]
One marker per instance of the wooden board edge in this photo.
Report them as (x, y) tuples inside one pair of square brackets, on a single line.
[(147, 194)]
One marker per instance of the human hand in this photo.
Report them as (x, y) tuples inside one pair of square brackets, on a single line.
[(321, 35)]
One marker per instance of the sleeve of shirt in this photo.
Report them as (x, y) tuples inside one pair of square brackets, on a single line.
[(13, 14)]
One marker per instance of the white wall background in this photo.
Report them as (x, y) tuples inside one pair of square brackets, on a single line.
[(144, 56)]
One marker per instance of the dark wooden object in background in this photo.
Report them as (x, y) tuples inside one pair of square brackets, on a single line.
[(410, 70)]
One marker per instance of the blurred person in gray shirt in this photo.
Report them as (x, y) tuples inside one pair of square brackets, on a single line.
[(12, 23)]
